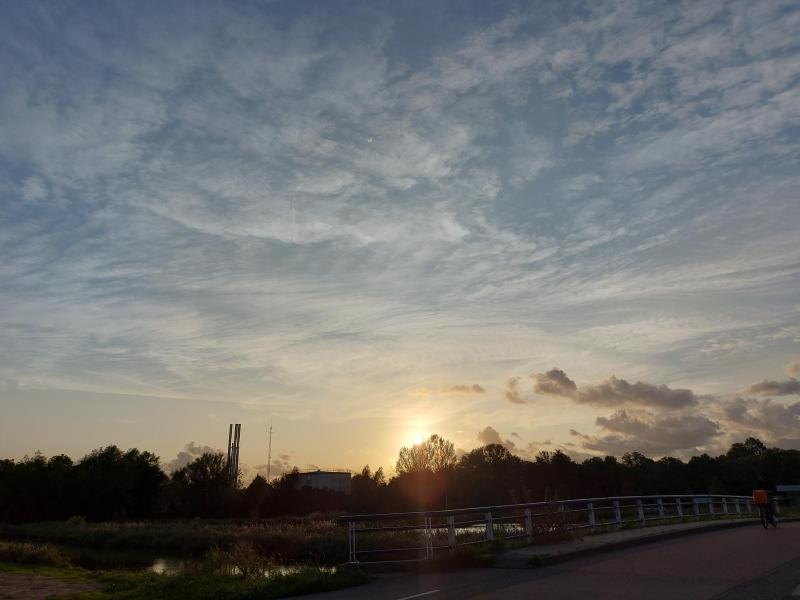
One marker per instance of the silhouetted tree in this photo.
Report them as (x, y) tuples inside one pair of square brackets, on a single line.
[(116, 485), (255, 494), (111, 484), (367, 490), (434, 454), (204, 487)]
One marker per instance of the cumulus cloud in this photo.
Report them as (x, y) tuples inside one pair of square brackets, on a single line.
[(513, 392), (775, 388), (613, 391), (779, 388), (489, 435), (555, 382), (188, 454), (643, 431), (280, 465), (770, 418)]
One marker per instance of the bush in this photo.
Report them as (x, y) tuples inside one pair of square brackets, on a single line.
[(243, 559), (31, 554)]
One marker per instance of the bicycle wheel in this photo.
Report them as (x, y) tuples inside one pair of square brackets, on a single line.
[(763, 515)]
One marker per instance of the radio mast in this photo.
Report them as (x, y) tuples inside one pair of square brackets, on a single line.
[(269, 451)]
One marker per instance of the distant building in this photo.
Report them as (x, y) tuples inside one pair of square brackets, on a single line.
[(336, 480), (788, 494)]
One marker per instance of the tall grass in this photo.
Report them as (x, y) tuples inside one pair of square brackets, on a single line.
[(318, 540), (25, 553)]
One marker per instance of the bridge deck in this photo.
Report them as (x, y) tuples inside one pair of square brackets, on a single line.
[(734, 563), (551, 553)]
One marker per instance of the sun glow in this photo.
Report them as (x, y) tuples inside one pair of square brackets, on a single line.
[(417, 438)]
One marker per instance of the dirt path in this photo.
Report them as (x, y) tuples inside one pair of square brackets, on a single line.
[(17, 586)]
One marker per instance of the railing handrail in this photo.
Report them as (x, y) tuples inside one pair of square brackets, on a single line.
[(521, 521), (524, 505)]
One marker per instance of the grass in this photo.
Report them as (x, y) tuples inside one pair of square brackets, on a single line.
[(289, 540), (206, 586), (31, 554)]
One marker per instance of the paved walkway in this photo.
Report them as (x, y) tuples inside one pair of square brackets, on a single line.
[(734, 563), (552, 553)]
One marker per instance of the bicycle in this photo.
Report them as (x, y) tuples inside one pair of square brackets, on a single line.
[(766, 510)]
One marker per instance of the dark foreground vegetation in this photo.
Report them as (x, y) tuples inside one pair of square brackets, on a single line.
[(240, 573), (315, 540), (111, 485)]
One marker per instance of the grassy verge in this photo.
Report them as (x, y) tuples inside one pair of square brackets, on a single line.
[(31, 554), (288, 540), (119, 585)]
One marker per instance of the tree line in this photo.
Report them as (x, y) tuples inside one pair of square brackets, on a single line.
[(109, 483)]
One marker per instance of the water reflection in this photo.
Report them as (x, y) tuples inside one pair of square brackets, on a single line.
[(167, 566)]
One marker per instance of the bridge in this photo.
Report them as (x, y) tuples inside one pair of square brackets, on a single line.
[(420, 536), (618, 547), (738, 563)]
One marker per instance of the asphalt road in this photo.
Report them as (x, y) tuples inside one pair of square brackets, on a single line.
[(742, 563)]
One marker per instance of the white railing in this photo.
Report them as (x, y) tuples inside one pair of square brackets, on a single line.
[(416, 536)]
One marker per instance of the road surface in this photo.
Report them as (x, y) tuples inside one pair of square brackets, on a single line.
[(742, 563)]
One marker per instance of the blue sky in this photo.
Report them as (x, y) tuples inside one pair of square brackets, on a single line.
[(371, 221)]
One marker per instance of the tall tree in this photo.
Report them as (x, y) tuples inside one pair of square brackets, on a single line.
[(434, 454)]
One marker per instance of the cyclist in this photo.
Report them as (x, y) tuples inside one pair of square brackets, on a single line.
[(762, 497)]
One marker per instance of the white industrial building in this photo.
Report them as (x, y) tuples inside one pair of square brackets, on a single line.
[(335, 480)]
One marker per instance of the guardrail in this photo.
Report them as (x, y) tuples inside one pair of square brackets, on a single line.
[(416, 536)]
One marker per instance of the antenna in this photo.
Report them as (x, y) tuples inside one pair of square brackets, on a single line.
[(269, 451)]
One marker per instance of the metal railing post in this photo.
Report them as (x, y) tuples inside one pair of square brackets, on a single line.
[(711, 506), (640, 511), (489, 526), (451, 531), (590, 509), (352, 542), (738, 507), (725, 506), (529, 525), (429, 538), (749, 507), (617, 513), (660, 503), (679, 507), (696, 506)]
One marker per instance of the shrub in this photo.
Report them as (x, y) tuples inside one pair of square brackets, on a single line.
[(31, 554)]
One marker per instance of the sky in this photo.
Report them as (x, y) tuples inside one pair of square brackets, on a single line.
[(547, 225)]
